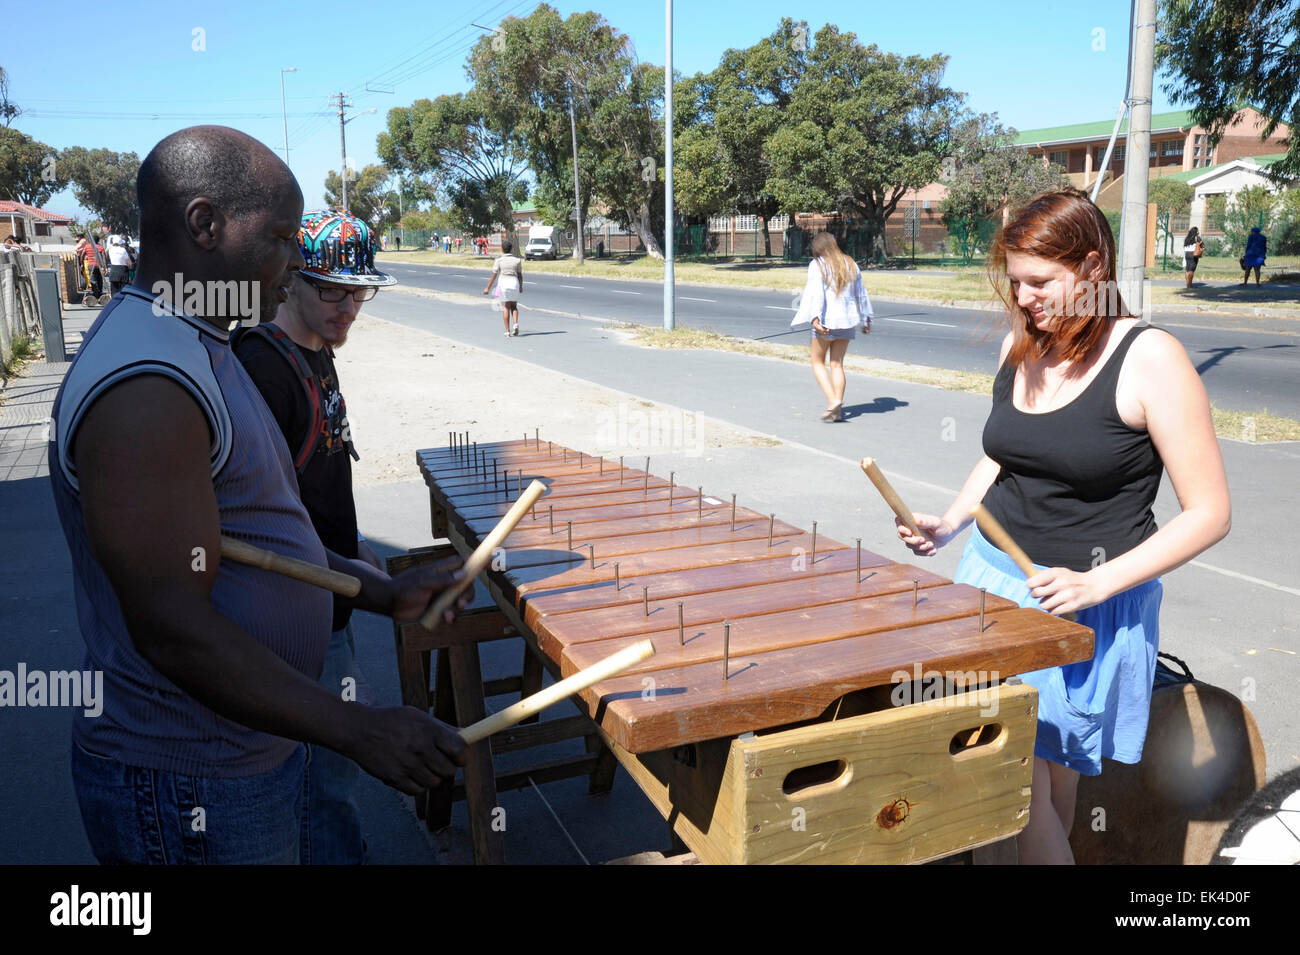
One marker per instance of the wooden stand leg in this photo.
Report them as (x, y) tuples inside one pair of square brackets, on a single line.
[(530, 679), (601, 779), (1002, 852), (438, 811), (437, 519), (480, 781)]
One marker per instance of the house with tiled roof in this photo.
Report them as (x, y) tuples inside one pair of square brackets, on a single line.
[(33, 226), (1223, 179)]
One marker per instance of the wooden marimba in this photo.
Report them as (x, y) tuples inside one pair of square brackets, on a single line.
[(807, 701)]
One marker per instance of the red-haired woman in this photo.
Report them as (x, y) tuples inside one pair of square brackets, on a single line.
[(1089, 406), (836, 302)]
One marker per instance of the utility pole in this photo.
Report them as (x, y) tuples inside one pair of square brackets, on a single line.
[(1133, 225), (343, 142), (284, 116), (670, 316)]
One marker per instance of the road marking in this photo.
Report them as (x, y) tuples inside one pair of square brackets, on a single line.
[(572, 286), (689, 299), (908, 321), (620, 292), (1245, 577), (781, 308)]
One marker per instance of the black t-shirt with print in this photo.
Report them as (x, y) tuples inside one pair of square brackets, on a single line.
[(326, 482)]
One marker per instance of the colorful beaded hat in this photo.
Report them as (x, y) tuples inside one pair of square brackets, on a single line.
[(340, 248)]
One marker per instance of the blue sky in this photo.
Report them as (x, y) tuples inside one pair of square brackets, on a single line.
[(126, 78)]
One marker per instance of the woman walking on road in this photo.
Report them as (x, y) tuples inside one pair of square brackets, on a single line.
[(1256, 252), (836, 302), (1090, 406), (1190, 254), (508, 273)]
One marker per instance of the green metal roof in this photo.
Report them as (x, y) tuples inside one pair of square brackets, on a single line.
[(1160, 122), (529, 206), (1188, 175)]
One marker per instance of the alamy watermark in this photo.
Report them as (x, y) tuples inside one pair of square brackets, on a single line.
[(654, 429), (235, 300), (953, 687), (82, 689)]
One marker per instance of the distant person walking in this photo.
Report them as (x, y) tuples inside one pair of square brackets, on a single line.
[(1256, 252), (121, 262), (457, 243), (836, 302), (1193, 249), (508, 274)]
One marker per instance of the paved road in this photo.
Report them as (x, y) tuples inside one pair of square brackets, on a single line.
[(1247, 364)]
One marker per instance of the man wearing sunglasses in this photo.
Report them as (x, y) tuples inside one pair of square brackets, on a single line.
[(291, 361)]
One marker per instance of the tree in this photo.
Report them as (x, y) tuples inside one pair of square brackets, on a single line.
[(862, 128), (104, 182), (8, 111), (1171, 196), (724, 120), (1250, 206), (986, 171), (367, 195), (543, 65), (29, 170), (1229, 53)]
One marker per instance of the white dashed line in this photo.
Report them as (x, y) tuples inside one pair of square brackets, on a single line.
[(573, 286), (689, 299), (619, 292), (908, 321), (780, 308)]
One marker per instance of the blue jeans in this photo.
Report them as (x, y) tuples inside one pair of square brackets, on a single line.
[(137, 816), (335, 816)]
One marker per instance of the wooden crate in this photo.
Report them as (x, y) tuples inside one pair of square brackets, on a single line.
[(902, 785)]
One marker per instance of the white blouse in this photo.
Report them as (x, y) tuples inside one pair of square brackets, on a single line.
[(847, 309)]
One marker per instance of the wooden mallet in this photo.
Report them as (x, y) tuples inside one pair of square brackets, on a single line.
[(340, 583), (999, 536), (601, 670), (891, 496), (482, 556)]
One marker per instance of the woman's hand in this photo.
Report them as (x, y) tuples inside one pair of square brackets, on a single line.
[(818, 327), (1060, 590), (935, 533), (866, 325)]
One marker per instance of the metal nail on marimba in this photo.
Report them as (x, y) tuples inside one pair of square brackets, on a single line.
[(645, 598), (620, 469), (733, 512), (537, 439), (551, 512), (726, 649), (602, 467), (474, 456), (582, 460), (916, 592), (494, 474), (548, 449), (681, 627), (617, 585), (520, 488), (859, 540), (983, 594), (700, 508), (566, 455), (814, 545), (591, 552), (771, 526), (570, 535), (672, 483)]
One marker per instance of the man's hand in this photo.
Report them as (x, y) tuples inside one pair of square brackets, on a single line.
[(364, 552), (406, 749), (415, 589)]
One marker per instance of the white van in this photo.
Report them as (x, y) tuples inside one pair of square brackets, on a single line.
[(541, 243)]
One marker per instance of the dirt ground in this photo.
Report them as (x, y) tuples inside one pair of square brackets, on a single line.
[(406, 389)]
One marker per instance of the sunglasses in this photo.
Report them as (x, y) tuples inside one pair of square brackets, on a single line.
[(333, 294)]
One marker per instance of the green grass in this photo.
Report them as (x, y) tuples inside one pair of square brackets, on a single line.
[(23, 350)]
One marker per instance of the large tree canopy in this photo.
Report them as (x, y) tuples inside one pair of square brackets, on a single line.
[(104, 182), (862, 128), (29, 170), (467, 146), (1230, 53), (368, 194)]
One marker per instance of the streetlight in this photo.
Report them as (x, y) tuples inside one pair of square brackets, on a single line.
[(283, 115), (344, 144)]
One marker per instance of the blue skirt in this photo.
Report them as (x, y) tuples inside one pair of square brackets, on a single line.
[(1096, 707)]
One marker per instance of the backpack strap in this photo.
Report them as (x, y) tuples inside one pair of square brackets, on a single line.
[(289, 351)]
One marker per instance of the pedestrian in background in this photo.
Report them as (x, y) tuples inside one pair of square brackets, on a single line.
[(508, 274), (836, 302), (1256, 252), (1193, 249)]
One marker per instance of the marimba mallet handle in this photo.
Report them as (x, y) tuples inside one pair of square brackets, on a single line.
[(998, 535), (601, 670), (332, 580), (482, 556), (891, 496)]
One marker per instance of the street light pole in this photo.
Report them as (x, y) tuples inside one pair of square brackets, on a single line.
[(1133, 225), (670, 317), (343, 142), (577, 198), (284, 116)]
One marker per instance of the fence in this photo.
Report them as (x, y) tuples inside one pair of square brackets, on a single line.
[(19, 316)]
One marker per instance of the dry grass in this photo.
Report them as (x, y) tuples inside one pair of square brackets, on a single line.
[(1258, 427)]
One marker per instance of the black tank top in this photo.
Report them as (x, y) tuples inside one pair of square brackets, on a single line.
[(1077, 483)]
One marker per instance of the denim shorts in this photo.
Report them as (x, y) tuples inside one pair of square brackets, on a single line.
[(137, 816)]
